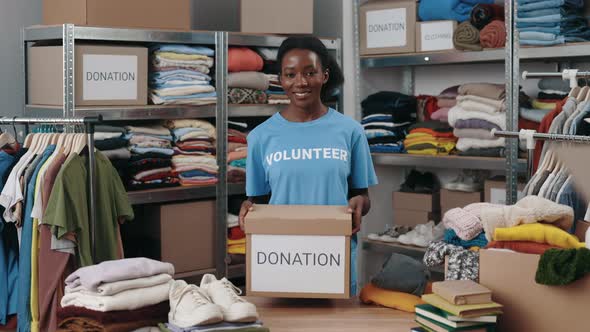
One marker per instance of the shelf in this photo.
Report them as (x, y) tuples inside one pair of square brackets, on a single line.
[(118, 113), (489, 55), (38, 33), (269, 40), (236, 271), (164, 195), (412, 251), (254, 110), (191, 274), (485, 163)]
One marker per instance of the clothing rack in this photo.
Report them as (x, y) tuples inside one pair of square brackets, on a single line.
[(531, 136), (89, 124), (567, 74)]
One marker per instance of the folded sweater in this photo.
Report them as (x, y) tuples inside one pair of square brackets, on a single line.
[(540, 233), (457, 113)]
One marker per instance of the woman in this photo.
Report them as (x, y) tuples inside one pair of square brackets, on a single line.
[(310, 154)]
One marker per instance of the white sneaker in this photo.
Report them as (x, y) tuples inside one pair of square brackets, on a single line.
[(190, 306), (470, 183), (223, 293)]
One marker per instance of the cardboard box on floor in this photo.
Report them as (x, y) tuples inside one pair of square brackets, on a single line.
[(298, 251), (387, 27), (435, 36), (104, 75), (411, 209), (276, 16), (147, 14), (450, 199), (529, 306)]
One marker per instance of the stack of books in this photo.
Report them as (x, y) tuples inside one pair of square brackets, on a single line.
[(457, 305)]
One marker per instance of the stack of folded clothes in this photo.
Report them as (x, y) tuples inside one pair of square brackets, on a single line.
[(110, 140), (237, 153), (444, 101), (480, 108), (194, 159), (180, 75), (386, 118), (275, 92), (151, 153), (489, 20), (456, 10), (430, 138), (120, 295), (545, 23), (236, 239), (247, 85), (551, 93)]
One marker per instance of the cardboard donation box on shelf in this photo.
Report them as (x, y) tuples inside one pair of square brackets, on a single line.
[(298, 251), (387, 27), (276, 16), (411, 209), (103, 75), (495, 191), (435, 36), (147, 14)]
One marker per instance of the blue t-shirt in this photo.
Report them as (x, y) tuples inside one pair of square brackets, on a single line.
[(308, 163)]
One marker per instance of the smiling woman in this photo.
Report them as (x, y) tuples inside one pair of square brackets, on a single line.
[(310, 154)]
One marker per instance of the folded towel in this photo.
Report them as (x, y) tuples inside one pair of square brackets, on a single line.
[(465, 143), (90, 277), (481, 104), (493, 35), (243, 59), (111, 288), (246, 96), (466, 37), (483, 14), (486, 90), (126, 300), (561, 267), (248, 79)]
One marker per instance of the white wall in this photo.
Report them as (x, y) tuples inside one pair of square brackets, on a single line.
[(14, 15)]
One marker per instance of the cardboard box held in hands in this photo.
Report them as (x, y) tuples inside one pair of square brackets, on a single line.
[(298, 251)]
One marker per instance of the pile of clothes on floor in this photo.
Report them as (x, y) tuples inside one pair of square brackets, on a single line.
[(150, 164), (179, 74), (546, 23), (194, 161), (532, 225), (430, 138), (480, 108), (386, 118), (119, 295), (237, 152)]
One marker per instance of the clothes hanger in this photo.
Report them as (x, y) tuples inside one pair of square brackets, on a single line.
[(583, 94), (574, 92)]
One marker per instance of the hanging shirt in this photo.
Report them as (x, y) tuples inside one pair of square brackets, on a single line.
[(308, 163), (6, 161)]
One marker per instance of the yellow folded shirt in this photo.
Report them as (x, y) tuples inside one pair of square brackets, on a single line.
[(396, 300), (234, 242), (540, 233), (542, 105), (177, 56), (424, 152), (237, 249)]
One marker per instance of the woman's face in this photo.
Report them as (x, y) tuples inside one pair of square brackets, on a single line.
[(302, 77)]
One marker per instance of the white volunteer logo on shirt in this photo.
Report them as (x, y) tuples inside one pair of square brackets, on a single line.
[(306, 154)]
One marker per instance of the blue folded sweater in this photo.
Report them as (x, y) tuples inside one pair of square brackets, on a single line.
[(456, 10)]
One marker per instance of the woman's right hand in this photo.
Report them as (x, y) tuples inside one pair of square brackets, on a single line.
[(246, 207)]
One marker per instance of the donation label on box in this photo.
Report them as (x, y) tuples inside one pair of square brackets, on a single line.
[(298, 263), (109, 77), (386, 28), (436, 36)]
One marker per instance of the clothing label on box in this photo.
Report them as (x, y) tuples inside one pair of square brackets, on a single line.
[(298, 263), (498, 195), (386, 28), (436, 36), (109, 77)]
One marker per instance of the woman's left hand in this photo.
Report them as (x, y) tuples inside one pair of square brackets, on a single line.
[(356, 206)]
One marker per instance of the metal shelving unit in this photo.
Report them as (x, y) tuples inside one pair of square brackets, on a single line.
[(68, 34), (567, 51), (480, 163)]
